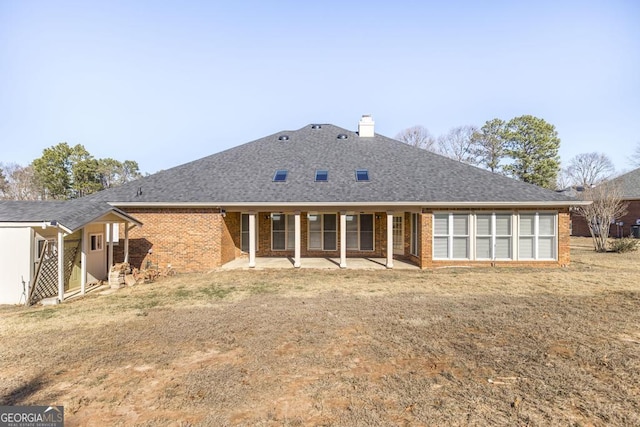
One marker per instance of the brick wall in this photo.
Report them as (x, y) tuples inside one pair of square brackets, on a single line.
[(580, 228), (188, 239)]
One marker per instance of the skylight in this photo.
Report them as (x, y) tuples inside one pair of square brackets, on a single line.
[(322, 175), (362, 175), (280, 176)]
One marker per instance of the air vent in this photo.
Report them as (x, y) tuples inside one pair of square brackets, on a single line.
[(316, 126), (342, 136), (283, 138)]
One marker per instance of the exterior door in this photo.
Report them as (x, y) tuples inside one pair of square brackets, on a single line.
[(398, 235)]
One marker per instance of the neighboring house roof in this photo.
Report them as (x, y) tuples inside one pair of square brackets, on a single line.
[(398, 173), (630, 184), (71, 215)]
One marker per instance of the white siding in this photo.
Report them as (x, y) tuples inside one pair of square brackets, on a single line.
[(15, 263)]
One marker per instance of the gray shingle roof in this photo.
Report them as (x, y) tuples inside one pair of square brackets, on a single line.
[(71, 214), (630, 184), (398, 173)]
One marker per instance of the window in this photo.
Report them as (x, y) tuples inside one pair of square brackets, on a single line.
[(360, 232), (280, 176), (322, 175), (323, 231), (282, 232), (362, 175), (415, 230), (96, 242), (493, 236), (451, 236), (537, 236)]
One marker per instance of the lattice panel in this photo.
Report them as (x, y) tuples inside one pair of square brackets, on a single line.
[(46, 282)]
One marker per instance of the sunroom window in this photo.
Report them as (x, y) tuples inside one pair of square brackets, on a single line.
[(493, 236), (451, 236)]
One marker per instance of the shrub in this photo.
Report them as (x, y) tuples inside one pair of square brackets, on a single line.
[(627, 244)]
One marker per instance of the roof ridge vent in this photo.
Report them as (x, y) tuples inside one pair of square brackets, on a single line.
[(316, 126), (283, 138), (342, 136)]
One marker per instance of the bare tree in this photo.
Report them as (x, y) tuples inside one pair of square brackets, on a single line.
[(417, 136), (589, 169), (459, 144), (635, 157), (606, 207), (21, 183)]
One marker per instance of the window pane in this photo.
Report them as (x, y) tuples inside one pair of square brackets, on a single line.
[(315, 222), (244, 235), (414, 234), (546, 247), (330, 222), (483, 225), (278, 240), (315, 240), (352, 223), (460, 225), (291, 231), (460, 247), (503, 247), (366, 232), (546, 224), (503, 225), (441, 224), (277, 222), (526, 248), (440, 247), (483, 247), (330, 240), (352, 240), (526, 225), (280, 176)]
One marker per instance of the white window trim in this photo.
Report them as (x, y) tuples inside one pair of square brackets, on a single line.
[(450, 236), (536, 235), (373, 225), (515, 236), (101, 240), (322, 231), (287, 218), (493, 235), (415, 233)]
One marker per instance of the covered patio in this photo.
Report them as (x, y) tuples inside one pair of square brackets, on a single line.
[(317, 263)]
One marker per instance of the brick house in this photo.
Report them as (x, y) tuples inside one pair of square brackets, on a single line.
[(629, 184), (325, 191)]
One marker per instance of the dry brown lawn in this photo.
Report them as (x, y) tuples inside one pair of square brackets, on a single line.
[(491, 346)]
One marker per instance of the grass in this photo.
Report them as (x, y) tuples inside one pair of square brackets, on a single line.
[(493, 346)]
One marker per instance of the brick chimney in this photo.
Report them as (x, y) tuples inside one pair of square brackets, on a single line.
[(365, 126)]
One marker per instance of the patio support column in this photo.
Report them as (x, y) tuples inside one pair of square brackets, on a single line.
[(110, 254), (60, 265), (126, 242), (252, 239), (296, 258), (389, 239), (343, 239), (83, 262)]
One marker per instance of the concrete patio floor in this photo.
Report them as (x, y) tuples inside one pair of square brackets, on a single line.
[(318, 263)]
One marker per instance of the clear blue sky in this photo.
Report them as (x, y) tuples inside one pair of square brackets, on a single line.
[(165, 82)]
